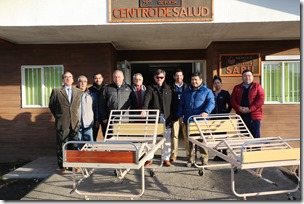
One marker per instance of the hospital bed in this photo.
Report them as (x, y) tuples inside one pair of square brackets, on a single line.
[(130, 140), (228, 132)]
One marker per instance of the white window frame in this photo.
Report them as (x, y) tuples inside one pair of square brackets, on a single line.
[(286, 60), (23, 95)]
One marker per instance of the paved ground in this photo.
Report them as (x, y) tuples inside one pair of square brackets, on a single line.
[(169, 183), (39, 168)]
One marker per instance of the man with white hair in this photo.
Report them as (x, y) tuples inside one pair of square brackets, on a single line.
[(139, 89), (85, 111), (117, 95)]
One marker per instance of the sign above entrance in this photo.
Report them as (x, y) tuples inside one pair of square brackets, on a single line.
[(235, 64), (125, 11), (158, 3)]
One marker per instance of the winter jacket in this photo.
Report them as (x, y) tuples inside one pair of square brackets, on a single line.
[(85, 111), (95, 92), (152, 101), (195, 102), (256, 98), (116, 98), (143, 90)]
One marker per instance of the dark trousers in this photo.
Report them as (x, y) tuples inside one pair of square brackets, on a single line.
[(96, 129), (63, 136), (254, 126)]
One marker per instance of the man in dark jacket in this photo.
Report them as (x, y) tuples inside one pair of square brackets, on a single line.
[(117, 95), (160, 96), (247, 100), (96, 91)]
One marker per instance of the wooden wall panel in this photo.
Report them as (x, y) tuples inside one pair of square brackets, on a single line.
[(28, 133), (278, 119)]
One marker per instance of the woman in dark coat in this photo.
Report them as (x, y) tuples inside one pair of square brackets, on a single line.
[(221, 97), (222, 102)]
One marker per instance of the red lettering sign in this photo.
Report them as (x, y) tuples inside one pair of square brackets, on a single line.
[(235, 64)]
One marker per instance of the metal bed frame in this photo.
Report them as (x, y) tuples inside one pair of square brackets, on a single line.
[(130, 140), (228, 132)]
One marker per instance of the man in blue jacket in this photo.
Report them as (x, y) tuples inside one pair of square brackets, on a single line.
[(197, 99)]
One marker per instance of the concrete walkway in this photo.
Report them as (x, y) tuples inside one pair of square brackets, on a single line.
[(39, 168), (169, 183)]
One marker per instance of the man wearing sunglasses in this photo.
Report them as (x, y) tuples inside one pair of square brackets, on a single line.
[(159, 95)]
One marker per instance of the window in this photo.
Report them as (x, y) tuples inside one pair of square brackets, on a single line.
[(281, 81), (37, 84)]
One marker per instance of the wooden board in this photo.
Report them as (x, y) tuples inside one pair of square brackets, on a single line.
[(271, 155), (137, 129), (100, 156)]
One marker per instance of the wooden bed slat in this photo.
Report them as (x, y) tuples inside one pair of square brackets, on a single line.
[(100, 156), (137, 129), (271, 155)]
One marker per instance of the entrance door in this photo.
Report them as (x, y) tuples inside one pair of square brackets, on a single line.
[(147, 70), (201, 67), (125, 66)]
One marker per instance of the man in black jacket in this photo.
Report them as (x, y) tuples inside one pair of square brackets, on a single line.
[(96, 90), (117, 95), (160, 96)]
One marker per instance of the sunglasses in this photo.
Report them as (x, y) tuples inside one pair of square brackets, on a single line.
[(159, 77)]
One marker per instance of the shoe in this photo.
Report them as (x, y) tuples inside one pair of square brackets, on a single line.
[(189, 164), (77, 169), (204, 161), (62, 170), (172, 159), (148, 163), (167, 163)]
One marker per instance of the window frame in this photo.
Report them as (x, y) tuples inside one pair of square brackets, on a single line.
[(43, 94), (283, 81)]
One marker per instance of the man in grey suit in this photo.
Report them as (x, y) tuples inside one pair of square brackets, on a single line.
[(64, 105)]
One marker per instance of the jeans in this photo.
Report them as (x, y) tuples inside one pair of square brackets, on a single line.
[(85, 134), (253, 126)]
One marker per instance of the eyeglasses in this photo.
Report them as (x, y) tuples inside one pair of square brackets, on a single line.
[(160, 77)]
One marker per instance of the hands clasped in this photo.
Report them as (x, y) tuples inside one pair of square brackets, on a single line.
[(244, 110)]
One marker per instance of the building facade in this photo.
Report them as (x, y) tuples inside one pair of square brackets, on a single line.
[(40, 40)]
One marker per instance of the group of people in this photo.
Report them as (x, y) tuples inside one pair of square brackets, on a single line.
[(80, 111)]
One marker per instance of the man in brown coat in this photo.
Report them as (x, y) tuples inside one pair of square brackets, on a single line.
[(64, 105)]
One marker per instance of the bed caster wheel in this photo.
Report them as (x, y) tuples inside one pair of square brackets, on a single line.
[(235, 170), (201, 172), (86, 198), (152, 173), (291, 197)]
